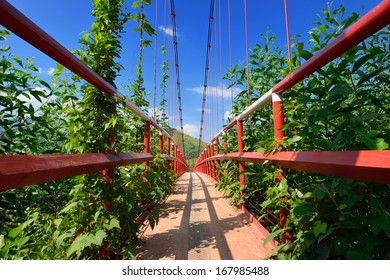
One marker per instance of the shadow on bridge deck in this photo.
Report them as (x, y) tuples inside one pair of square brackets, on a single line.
[(197, 223)]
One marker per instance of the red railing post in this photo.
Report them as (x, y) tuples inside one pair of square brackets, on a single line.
[(161, 142), (147, 140), (212, 162), (277, 109), (218, 175), (173, 155), (207, 154), (225, 150), (168, 149), (176, 162), (173, 163), (240, 142)]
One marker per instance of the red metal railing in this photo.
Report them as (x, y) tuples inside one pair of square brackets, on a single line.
[(373, 166), (23, 170)]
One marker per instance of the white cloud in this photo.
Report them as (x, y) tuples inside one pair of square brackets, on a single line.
[(33, 101), (206, 110), (47, 72), (190, 129), (50, 71), (212, 89), (30, 99), (227, 115), (167, 30)]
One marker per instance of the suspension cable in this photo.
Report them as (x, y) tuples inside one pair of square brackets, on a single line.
[(230, 53), (155, 64), (211, 18), (177, 71), (220, 61), (216, 72), (247, 59), (141, 23), (287, 31)]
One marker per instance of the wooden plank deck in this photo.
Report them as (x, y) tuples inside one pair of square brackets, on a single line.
[(197, 223)]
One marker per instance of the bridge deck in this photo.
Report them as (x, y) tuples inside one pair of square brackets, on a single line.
[(197, 223)]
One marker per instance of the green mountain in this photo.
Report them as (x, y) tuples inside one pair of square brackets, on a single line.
[(190, 143)]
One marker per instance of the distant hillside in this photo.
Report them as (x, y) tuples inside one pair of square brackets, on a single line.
[(190, 143)]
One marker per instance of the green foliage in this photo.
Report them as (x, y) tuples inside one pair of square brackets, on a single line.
[(343, 106)]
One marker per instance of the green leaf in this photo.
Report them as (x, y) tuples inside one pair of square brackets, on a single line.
[(338, 91), (361, 61), (18, 243), (303, 210), (114, 223), (60, 239), (18, 60), (95, 2), (68, 207), (273, 235), (368, 76), (304, 54), (16, 231), (2, 242), (367, 116), (358, 253), (319, 228), (85, 240), (372, 143)]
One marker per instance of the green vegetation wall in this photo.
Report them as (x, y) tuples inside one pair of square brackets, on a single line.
[(343, 106), (94, 216)]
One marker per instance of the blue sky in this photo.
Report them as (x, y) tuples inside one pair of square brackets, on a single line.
[(65, 20)]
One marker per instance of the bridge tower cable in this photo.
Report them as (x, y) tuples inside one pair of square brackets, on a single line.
[(176, 55), (208, 47)]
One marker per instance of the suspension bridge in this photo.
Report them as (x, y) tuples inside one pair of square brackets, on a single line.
[(196, 221)]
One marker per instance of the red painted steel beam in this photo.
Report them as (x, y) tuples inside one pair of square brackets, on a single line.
[(161, 142), (277, 109), (172, 158), (230, 125), (147, 140), (370, 23), (24, 170), (240, 143), (367, 165)]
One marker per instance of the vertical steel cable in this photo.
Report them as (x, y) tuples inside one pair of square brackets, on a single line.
[(216, 74), (220, 61), (247, 59), (176, 53), (211, 18), (141, 23), (287, 31), (155, 64), (230, 52)]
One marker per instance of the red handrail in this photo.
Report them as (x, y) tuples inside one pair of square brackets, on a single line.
[(23, 170), (373, 166)]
